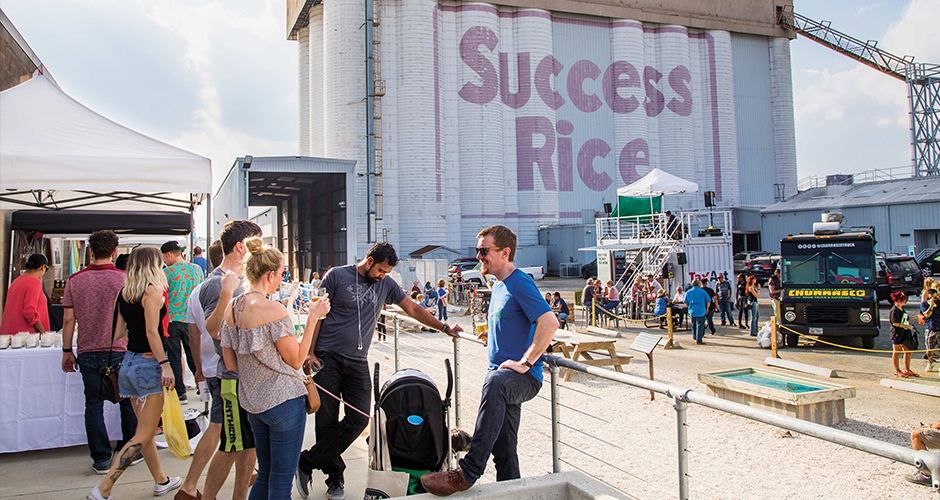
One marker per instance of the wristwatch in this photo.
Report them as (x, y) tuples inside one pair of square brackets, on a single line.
[(445, 327), (526, 363)]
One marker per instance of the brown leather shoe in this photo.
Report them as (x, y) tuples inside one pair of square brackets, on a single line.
[(445, 482), (182, 495)]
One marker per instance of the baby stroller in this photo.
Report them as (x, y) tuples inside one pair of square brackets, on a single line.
[(409, 433)]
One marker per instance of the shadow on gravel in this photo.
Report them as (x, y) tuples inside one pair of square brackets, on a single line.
[(894, 436)]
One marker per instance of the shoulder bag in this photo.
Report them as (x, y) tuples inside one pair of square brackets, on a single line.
[(109, 376), (313, 396)]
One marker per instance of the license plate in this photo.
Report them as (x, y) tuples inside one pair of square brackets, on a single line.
[(908, 278), (815, 330)]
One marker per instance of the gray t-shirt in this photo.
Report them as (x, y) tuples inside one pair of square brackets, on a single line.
[(209, 299), (355, 304)]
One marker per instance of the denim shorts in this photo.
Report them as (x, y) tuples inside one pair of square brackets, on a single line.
[(140, 376)]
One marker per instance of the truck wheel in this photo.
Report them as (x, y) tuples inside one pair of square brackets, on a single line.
[(868, 342), (793, 340), (533, 277)]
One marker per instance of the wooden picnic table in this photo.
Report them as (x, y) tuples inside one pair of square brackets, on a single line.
[(589, 350)]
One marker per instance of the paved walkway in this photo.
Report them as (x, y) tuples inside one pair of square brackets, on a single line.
[(66, 473)]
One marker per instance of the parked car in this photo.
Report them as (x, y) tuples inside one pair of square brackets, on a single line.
[(762, 267), (931, 263), (462, 264), (898, 273), (475, 275), (589, 270), (742, 258)]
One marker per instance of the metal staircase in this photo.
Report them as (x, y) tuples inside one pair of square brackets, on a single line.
[(923, 82), (649, 260)]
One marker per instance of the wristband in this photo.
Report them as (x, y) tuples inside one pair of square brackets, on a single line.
[(165, 361), (64, 349), (445, 327), (525, 362)]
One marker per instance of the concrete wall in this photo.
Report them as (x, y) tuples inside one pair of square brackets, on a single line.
[(15, 64), (740, 16)]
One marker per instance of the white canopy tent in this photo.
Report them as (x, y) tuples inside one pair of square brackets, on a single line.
[(55, 153), (657, 182)]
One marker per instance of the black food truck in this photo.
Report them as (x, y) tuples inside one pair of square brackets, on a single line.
[(829, 283)]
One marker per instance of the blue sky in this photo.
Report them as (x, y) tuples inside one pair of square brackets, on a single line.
[(849, 117), (220, 78)]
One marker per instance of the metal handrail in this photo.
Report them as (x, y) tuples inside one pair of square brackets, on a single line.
[(682, 397), (923, 460)]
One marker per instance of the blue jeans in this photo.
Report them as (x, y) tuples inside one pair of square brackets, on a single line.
[(724, 308), (99, 444), (441, 310), (755, 317), (698, 328), (497, 425), (279, 436)]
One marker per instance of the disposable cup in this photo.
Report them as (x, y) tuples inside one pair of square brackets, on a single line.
[(17, 341), (32, 340), (5, 341)]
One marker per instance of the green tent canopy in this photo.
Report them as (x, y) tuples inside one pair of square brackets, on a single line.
[(632, 205)]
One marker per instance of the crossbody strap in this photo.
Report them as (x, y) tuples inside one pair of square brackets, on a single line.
[(113, 330)]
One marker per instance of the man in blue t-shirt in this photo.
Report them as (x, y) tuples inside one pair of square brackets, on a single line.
[(521, 325), (698, 301)]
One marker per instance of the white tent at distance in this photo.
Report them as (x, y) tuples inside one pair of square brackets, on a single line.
[(55, 152), (658, 182)]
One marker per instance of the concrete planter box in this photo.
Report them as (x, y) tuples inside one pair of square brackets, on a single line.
[(803, 398), (562, 486)]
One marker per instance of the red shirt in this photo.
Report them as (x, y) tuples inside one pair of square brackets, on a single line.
[(25, 305), (90, 293)]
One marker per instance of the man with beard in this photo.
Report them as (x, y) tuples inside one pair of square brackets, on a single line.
[(340, 351), (521, 325)]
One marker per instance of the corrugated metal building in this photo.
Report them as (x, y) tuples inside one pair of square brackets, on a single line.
[(903, 212), (516, 115)]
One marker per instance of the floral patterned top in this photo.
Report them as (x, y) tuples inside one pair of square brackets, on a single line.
[(265, 379)]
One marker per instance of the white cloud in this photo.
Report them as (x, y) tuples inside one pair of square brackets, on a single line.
[(865, 8), (214, 28)]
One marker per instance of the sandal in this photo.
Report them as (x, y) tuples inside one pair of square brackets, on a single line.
[(911, 374), (900, 374)]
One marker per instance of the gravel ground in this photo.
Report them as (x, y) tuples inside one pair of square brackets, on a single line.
[(616, 434)]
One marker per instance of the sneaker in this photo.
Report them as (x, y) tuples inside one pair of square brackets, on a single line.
[(302, 482), (101, 468), (916, 478), (929, 367), (96, 495), (184, 399), (171, 484), (334, 490), (138, 459)]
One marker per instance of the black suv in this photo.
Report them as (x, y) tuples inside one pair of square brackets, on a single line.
[(896, 273), (931, 264), (762, 267)]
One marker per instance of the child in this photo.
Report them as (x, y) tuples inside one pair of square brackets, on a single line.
[(662, 302)]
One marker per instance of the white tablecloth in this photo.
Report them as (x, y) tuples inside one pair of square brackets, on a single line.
[(40, 405)]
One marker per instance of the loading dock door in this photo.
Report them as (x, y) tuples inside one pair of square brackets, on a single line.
[(316, 215), (312, 212)]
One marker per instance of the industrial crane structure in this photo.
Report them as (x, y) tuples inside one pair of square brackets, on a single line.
[(923, 83)]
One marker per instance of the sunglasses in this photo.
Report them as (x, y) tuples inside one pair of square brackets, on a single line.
[(484, 251), (284, 274)]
